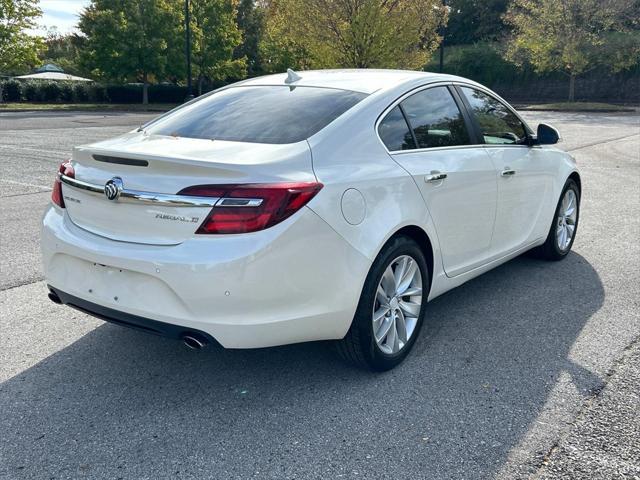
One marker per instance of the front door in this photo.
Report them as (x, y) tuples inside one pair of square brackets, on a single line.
[(524, 178)]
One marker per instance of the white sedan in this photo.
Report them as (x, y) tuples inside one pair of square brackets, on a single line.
[(320, 205)]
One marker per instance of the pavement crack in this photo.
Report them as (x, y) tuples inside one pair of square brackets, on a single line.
[(26, 193), (601, 142), (21, 284)]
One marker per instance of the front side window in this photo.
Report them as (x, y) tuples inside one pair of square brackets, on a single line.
[(498, 124), (394, 131), (259, 114), (436, 119)]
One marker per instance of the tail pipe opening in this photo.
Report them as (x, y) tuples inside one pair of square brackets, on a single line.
[(53, 296), (194, 341)]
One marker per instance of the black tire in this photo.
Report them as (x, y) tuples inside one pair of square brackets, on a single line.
[(359, 346), (550, 250)]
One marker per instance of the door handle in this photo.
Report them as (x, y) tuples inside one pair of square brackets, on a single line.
[(435, 176), (507, 172)]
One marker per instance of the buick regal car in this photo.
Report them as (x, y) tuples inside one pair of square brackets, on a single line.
[(319, 205)]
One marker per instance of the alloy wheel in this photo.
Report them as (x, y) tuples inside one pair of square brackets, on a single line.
[(397, 304), (566, 221)]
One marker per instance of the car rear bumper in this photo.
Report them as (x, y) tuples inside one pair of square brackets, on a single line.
[(297, 281), (123, 319)]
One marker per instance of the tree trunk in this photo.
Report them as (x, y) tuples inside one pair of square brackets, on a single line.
[(1, 97), (200, 82), (572, 88), (145, 89)]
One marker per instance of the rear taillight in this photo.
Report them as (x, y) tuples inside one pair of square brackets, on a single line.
[(253, 207), (56, 195)]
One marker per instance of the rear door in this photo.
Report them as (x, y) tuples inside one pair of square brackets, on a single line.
[(428, 134), (523, 174)]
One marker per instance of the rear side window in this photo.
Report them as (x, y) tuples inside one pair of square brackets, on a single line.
[(436, 119), (498, 124), (394, 131), (261, 114)]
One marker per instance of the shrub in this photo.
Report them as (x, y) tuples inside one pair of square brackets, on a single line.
[(131, 93), (80, 92), (11, 91), (50, 91), (66, 92), (98, 93), (167, 93), (31, 92)]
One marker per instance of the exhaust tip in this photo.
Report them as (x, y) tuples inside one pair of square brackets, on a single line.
[(54, 298), (194, 342)]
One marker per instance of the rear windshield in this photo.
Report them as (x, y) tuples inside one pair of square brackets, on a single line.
[(265, 114)]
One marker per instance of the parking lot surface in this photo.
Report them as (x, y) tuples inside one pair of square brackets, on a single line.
[(525, 371)]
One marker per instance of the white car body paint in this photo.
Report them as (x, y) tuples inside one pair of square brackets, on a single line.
[(301, 279)]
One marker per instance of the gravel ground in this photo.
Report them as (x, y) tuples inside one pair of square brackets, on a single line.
[(526, 371)]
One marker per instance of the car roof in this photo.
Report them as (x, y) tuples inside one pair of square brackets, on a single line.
[(357, 80)]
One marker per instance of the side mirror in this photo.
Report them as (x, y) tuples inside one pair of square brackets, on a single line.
[(547, 135)]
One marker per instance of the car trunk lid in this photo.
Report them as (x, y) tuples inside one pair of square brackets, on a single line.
[(150, 170)]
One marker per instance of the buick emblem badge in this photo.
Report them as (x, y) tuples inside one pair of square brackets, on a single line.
[(113, 188)]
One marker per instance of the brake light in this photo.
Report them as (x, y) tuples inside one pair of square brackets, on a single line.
[(252, 207), (56, 195)]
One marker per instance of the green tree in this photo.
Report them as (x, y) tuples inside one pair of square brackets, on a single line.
[(351, 33), (574, 36), (18, 50), (130, 40), (215, 36), (63, 50), (472, 21), (250, 21)]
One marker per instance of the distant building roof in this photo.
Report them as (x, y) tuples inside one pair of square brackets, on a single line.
[(53, 76), (48, 67)]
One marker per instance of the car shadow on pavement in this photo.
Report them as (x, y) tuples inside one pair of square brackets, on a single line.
[(122, 404)]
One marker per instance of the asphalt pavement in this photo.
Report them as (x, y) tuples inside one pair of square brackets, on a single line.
[(530, 370)]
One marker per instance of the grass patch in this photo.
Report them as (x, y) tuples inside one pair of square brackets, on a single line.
[(124, 107), (579, 107)]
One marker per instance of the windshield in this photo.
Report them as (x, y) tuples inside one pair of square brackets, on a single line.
[(261, 114)]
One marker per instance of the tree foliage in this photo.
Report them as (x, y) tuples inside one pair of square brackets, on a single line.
[(350, 33), (250, 21), (63, 50), (472, 21), (129, 41), (18, 50), (574, 36), (215, 36)]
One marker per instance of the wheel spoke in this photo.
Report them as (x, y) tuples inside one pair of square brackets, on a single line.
[(400, 271), (410, 309), (392, 338), (570, 230), (381, 296), (412, 291), (384, 329), (401, 328), (378, 316), (408, 277), (388, 282)]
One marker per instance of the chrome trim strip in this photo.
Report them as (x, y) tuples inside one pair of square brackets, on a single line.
[(138, 196), (239, 202), (444, 83)]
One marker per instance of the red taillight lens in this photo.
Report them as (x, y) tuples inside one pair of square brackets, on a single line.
[(279, 201), (56, 195)]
